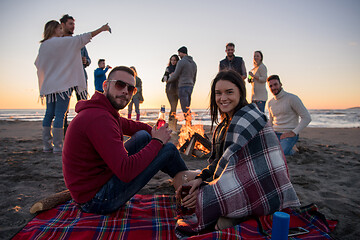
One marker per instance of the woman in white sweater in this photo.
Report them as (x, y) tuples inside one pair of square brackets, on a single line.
[(60, 71), (258, 76)]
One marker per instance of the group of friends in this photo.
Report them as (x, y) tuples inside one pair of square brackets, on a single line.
[(247, 175), (284, 108)]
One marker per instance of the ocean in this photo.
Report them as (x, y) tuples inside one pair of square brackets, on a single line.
[(322, 118)]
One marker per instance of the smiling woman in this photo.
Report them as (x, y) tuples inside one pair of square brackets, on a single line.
[(228, 94), (246, 167), (227, 97)]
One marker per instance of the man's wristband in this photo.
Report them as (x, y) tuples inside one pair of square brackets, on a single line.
[(158, 140)]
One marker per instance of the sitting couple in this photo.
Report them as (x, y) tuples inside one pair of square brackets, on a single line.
[(247, 174)]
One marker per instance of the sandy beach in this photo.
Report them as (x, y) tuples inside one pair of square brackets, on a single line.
[(325, 171)]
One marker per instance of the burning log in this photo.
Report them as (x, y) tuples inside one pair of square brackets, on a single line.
[(189, 145), (185, 145), (205, 142), (198, 153)]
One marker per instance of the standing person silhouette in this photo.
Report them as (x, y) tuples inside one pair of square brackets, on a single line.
[(185, 74), (100, 75), (68, 26), (171, 90), (258, 81), (137, 98)]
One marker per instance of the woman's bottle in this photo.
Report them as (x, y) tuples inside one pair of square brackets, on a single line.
[(161, 120)]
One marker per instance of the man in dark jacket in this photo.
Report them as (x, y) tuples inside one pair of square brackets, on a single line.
[(185, 73), (232, 62)]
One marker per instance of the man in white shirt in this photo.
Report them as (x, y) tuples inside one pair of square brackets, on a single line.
[(285, 109)]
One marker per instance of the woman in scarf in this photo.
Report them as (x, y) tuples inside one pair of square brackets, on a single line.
[(60, 71), (247, 175), (258, 76), (171, 90)]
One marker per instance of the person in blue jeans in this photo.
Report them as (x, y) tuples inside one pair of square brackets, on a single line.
[(54, 110), (115, 193), (185, 74), (101, 171), (60, 71), (68, 27), (285, 109)]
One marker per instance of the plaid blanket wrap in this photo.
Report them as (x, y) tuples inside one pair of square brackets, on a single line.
[(251, 178)]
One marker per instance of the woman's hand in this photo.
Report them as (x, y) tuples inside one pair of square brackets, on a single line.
[(105, 27), (190, 200), (101, 29)]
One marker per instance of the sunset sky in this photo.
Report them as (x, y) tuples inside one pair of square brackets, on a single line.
[(313, 45)]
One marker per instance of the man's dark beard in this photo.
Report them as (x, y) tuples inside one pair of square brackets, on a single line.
[(114, 103), (69, 32), (279, 91)]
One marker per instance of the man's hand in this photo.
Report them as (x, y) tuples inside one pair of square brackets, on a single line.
[(162, 133), (287, 135), (108, 66)]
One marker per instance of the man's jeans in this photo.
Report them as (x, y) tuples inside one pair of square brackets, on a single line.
[(260, 105), (287, 144), (136, 102), (115, 193), (185, 97)]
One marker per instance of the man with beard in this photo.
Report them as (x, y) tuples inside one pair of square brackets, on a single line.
[(101, 171), (232, 62), (284, 110), (68, 26)]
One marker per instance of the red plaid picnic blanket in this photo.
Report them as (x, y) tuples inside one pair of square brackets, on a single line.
[(153, 217)]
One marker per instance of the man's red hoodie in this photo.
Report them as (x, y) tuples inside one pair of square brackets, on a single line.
[(94, 149)]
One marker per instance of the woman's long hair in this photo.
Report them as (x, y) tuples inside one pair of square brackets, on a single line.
[(177, 59), (261, 55), (235, 78), (49, 29), (134, 69)]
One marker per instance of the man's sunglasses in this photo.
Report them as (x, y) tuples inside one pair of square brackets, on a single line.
[(119, 84)]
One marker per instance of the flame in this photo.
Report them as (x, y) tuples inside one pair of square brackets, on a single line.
[(188, 130)]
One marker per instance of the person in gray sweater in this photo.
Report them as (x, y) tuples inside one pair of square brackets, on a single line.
[(185, 74)]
